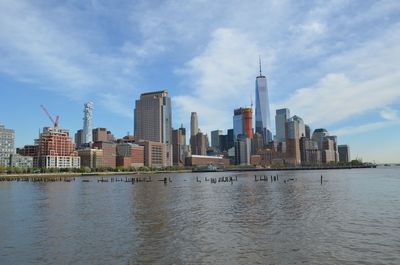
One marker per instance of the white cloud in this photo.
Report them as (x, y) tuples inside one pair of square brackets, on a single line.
[(389, 114), (353, 130)]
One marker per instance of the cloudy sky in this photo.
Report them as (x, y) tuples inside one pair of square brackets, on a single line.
[(334, 63)]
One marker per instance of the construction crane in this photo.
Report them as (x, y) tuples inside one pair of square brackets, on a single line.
[(55, 123)]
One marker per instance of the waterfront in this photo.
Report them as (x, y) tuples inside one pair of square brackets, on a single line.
[(352, 218)]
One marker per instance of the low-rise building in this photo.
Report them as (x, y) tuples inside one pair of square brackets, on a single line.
[(17, 160), (91, 157), (130, 155), (155, 154)]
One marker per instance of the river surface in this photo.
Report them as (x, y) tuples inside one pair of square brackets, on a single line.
[(353, 217)]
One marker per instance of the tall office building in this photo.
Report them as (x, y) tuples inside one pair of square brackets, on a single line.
[(318, 136), (263, 122), (344, 153), (153, 117), (302, 128), (87, 123), (282, 115), (194, 124), (7, 137), (215, 139)]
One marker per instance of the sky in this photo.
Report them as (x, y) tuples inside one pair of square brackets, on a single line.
[(336, 64)]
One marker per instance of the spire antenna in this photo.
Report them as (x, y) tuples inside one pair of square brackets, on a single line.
[(259, 61)]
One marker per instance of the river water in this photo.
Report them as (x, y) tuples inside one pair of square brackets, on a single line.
[(353, 217)]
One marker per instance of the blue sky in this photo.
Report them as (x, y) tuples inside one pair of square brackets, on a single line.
[(333, 63)]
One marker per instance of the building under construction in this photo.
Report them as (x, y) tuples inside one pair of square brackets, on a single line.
[(56, 150)]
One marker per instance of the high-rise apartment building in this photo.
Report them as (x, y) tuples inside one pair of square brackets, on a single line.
[(87, 123), (7, 148), (153, 117), (282, 115), (263, 123), (179, 148)]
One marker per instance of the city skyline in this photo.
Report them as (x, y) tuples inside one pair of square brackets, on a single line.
[(346, 85)]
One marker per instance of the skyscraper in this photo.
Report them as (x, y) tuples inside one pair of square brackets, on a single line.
[(87, 123), (215, 138), (263, 122), (194, 124), (153, 117), (282, 115), (344, 153)]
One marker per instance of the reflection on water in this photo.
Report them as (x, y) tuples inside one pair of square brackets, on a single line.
[(352, 218)]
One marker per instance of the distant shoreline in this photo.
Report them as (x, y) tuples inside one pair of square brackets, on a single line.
[(111, 173)]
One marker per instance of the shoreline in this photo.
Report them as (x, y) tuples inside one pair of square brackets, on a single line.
[(111, 173)]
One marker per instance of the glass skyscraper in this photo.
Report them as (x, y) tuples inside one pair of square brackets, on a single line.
[(263, 119)]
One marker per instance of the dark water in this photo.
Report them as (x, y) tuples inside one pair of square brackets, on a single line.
[(352, 218)]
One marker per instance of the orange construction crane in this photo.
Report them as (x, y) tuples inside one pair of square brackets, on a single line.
[(55, 123)]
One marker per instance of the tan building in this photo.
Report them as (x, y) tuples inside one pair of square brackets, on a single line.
[(92, 158), (153, 119), (199, 160), (155, 154), (292, 130), (99, 135)]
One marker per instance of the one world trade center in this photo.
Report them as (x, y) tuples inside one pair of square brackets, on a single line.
[(263, 120)]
